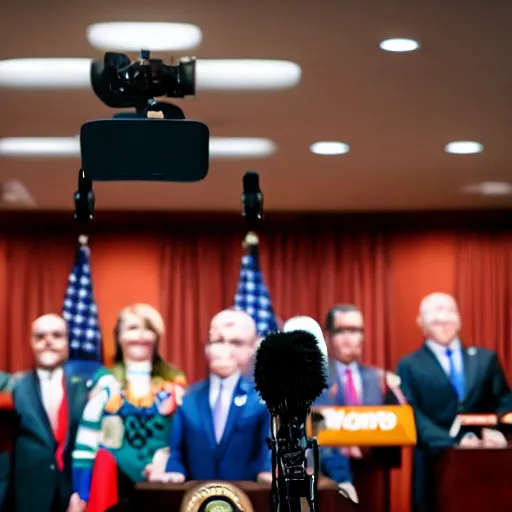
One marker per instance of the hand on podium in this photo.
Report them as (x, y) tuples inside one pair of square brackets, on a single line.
[(353, 452), (347, 490), (157, 466), (76, 504), (166, 478), (265, 477), (493, 439), (470, 441)]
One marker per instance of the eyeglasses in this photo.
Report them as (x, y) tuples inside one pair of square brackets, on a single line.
[(54, 334), (347, 330)]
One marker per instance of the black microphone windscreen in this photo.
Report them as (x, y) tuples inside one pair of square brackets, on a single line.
[(251, 183), (290, 372)]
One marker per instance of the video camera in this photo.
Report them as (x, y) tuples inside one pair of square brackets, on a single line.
[(155, 142)]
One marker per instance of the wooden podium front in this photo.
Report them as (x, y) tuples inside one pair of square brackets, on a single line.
[(473, 480), (151, 496)]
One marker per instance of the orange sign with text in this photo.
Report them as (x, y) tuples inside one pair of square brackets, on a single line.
[(478, 420), (386, 425)]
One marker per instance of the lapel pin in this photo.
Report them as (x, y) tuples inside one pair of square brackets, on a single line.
[(240, 400), (471, 351), (75, 379)]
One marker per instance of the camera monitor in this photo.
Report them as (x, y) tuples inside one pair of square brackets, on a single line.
[(154, 143), (145, 150)]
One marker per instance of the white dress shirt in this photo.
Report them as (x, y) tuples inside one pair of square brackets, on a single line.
[(52, 392), (228, 388), (356, 377), (440, 353)]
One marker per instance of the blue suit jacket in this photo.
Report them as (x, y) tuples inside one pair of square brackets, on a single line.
[(242, 452)]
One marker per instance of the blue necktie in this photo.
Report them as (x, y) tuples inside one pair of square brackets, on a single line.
[(219, 415), (456, 376)]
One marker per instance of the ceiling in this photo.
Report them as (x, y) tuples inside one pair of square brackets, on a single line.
[(397, 111)]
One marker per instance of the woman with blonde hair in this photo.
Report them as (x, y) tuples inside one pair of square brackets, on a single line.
[(125, 428)]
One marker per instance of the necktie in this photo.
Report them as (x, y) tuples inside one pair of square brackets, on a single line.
[(456, 375), (350, 392), (219, 416)]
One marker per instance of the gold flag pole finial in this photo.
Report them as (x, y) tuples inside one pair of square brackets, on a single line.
[(83, 240), (250, 240)]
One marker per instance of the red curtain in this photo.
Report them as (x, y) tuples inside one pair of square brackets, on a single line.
[(305, 271), (190, 274), (484, 290)]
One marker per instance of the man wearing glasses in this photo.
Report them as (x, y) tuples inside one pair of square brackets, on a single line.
[(353, 383)]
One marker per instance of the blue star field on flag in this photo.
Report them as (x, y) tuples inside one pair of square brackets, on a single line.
[(253, 297), (81, 313)]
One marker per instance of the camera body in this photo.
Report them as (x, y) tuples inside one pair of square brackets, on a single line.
[(120, 83), (136, 146)]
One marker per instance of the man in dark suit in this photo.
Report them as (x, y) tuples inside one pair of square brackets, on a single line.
[(49, 403), (220, 430), (442, 379)]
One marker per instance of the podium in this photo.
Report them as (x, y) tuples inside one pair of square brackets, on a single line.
[(472, 480), (380, 432), (152, 496)]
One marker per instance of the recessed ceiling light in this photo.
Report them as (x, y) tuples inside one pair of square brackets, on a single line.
[(329, 148), (240, 147), (63, 147), (133, 37), (489, 188), (464, 147), (211, 74), (399, 44), (46, 73), (40, 146), (246, 74)]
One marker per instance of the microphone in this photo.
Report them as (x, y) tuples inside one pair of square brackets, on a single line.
[(290, 373), (252, 198)]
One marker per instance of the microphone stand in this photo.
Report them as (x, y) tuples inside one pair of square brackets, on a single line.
[(291, 482)]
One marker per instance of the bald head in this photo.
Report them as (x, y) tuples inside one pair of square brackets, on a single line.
[(49, 341), (238, 330), (229, 319), (439, 317)]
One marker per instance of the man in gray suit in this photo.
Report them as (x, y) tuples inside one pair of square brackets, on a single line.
[(350, 382), (49, 402)]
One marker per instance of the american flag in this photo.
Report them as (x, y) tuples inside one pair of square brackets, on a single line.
[(80, 311), (252, 295)]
